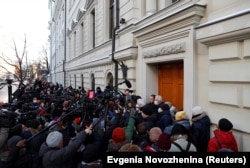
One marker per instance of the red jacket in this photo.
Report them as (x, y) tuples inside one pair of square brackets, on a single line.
[(226, 139)]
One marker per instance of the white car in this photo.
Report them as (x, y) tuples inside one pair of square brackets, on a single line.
[(3, 82)]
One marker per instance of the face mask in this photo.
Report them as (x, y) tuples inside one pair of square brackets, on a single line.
[(156, 102), (159, 110)]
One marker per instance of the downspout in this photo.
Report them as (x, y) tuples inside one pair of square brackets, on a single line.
[(117, 26), (65, 38)]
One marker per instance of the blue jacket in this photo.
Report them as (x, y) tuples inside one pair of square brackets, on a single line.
[(200, 131), (164, 119)]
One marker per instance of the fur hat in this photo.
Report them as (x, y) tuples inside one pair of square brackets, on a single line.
[(164, 107), (130, 148), (154, 134), (118, 135), (196, 110), (54, 138), (225, 125), (164, 142), (147, 110), (180, 115)]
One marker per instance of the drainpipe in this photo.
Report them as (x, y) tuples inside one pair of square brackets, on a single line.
[(65, 38), (117, 26)]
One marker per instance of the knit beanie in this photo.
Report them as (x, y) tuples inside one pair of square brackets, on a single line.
[(154, 134), (225, 125), (196, 110), (147, 109), (164, 107), (11, 143), (180, 115), (164, 142), (118, 135), (178, 129), (54, 138)]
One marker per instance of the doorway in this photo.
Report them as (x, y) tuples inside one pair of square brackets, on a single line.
[(171, 83)]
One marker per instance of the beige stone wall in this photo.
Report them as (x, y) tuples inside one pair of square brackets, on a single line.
[(211, 37), (223, 58)]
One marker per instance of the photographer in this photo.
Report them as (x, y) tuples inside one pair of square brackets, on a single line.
[(55, 155), (4, 133), (7, 120)]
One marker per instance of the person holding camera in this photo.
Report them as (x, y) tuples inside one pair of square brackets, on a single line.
[(54, 154), (4, 133)]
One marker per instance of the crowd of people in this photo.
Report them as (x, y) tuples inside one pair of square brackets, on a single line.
[(66, 127)]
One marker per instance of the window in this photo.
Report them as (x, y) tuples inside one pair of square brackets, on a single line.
[(82, 37), (75, 80), (74, 45), (82, 81), (93, 27), (110, 79), (111, 17), (92, 82)]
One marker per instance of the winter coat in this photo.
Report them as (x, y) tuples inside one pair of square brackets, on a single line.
[(61, 157), (150, 121), (164, 120), (4, 133), (184, 122), (181, 140), (200, 131), (226, 139)]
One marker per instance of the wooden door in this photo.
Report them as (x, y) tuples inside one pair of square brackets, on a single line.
[(171, 83)]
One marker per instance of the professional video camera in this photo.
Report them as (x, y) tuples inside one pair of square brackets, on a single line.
[(8, 119)]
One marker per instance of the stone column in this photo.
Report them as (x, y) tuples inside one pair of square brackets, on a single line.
[(150, 7)]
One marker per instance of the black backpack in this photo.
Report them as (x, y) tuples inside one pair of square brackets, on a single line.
[(182, 150)]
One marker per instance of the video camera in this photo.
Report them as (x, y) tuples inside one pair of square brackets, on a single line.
[(8, 119)]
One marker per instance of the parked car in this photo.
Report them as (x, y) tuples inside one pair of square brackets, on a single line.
[(3, 82)]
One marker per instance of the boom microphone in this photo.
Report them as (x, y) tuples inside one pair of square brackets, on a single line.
[(128, 83)]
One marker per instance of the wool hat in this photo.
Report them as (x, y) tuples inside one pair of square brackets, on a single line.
[(178, 129), (54, 138), (180, 115), (164, 107), (164, 142), (11, 143), (154, 134), (225, 125), (32, 123), (147, 109), (196, 110), (118, 135)]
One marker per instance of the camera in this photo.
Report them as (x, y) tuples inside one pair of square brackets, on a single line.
[(8, 119)]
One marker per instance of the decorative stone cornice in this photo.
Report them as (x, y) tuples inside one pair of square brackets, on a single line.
[(172, 49), (80, 13)]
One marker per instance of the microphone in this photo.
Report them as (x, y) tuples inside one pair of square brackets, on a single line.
[(128, 84)]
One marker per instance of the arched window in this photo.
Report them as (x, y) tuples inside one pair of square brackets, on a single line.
[(110, 79)]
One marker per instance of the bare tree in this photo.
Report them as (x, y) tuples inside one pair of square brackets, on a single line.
[(45, 58), (16, 62)]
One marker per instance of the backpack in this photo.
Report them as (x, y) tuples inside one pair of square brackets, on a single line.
[(221, 149), (182, 150)]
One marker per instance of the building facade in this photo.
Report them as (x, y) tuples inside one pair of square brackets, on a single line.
[(191, 52)]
